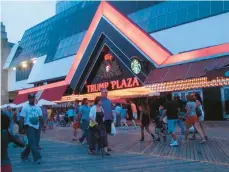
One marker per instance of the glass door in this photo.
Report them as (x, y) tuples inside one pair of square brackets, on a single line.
[(225, 101)]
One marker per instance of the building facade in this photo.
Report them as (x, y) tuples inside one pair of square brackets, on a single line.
[(5, 50), (135, 49)]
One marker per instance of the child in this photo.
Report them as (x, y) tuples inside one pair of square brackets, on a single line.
[(20, 136), (6, 138)]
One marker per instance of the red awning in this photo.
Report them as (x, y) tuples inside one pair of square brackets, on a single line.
[(54, 94), (21, 98), (185, 71)]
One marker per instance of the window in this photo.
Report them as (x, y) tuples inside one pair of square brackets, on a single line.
[(161, 22), (192, 13), (216, 7), (181, 16), (23, 73), (204, 8), (171, 19)]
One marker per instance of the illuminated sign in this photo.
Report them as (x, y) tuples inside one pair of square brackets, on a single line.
[(227, 73), (117, 84), (136, 66)]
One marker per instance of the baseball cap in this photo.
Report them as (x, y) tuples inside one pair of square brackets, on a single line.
[(30, 96)]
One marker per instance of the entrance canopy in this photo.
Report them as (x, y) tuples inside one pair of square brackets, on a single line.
[(113, 95)]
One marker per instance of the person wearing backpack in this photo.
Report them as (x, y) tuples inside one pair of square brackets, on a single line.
[(30, 122)]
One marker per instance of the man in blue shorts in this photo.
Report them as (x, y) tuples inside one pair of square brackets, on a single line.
[(171, 110)]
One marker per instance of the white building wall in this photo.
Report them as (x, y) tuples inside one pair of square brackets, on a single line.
[(44, 71), (13, 85), (199, 34)]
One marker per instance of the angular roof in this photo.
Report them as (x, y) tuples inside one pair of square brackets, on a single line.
[(150, 47)]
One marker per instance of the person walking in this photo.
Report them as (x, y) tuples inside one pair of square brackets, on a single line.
[(200, 115), (145, 120), (31, 120), (181, 112), (133, 115), (171, 110), (84, 111), (6, 138), (97, 131), (10, 114), (191, 119), (108, 115)]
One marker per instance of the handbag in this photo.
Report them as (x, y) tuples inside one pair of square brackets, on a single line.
[(113, 129), (198, 111)]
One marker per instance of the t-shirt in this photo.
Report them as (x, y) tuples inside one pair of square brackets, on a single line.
[(107, 107), (123, 113), (133, 108), (84, 111), (192, 107), (172, 109), (70, 113), (118, 110), (28, 111)]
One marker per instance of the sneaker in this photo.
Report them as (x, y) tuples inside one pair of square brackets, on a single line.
[(174, 143), (192, 138), (203, 141), (74, 138), (38, 161), (158, 139), (142, 139), (206, 138)]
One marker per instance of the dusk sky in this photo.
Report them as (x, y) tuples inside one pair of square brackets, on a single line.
[(19, 16)]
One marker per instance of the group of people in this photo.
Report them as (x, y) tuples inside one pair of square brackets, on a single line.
[(188, 113), (96, 123)]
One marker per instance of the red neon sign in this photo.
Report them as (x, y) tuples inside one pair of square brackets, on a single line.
[(117, 84)]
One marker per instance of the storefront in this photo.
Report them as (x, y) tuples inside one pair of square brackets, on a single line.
[(117, 54)]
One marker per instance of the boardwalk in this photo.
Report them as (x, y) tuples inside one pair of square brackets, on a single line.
[(67, 157), (62, 154)]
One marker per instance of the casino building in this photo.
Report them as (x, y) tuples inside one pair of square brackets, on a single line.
[(134, 49)]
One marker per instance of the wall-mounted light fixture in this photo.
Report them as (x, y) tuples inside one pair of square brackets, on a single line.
[(24, 64), (34, 60)]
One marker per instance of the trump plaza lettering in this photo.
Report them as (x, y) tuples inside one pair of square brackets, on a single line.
[(113, 85)]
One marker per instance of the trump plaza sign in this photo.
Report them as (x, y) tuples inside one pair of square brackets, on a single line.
[(113, 85)]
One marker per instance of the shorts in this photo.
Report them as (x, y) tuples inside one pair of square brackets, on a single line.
[(172, 125), (123, 120), (135, 115), (191, 120)]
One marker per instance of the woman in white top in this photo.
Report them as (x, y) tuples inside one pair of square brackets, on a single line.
[(198, 101), (97, 132), (191, 118)]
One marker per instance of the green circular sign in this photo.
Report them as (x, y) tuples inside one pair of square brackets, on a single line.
[(136, 66)]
